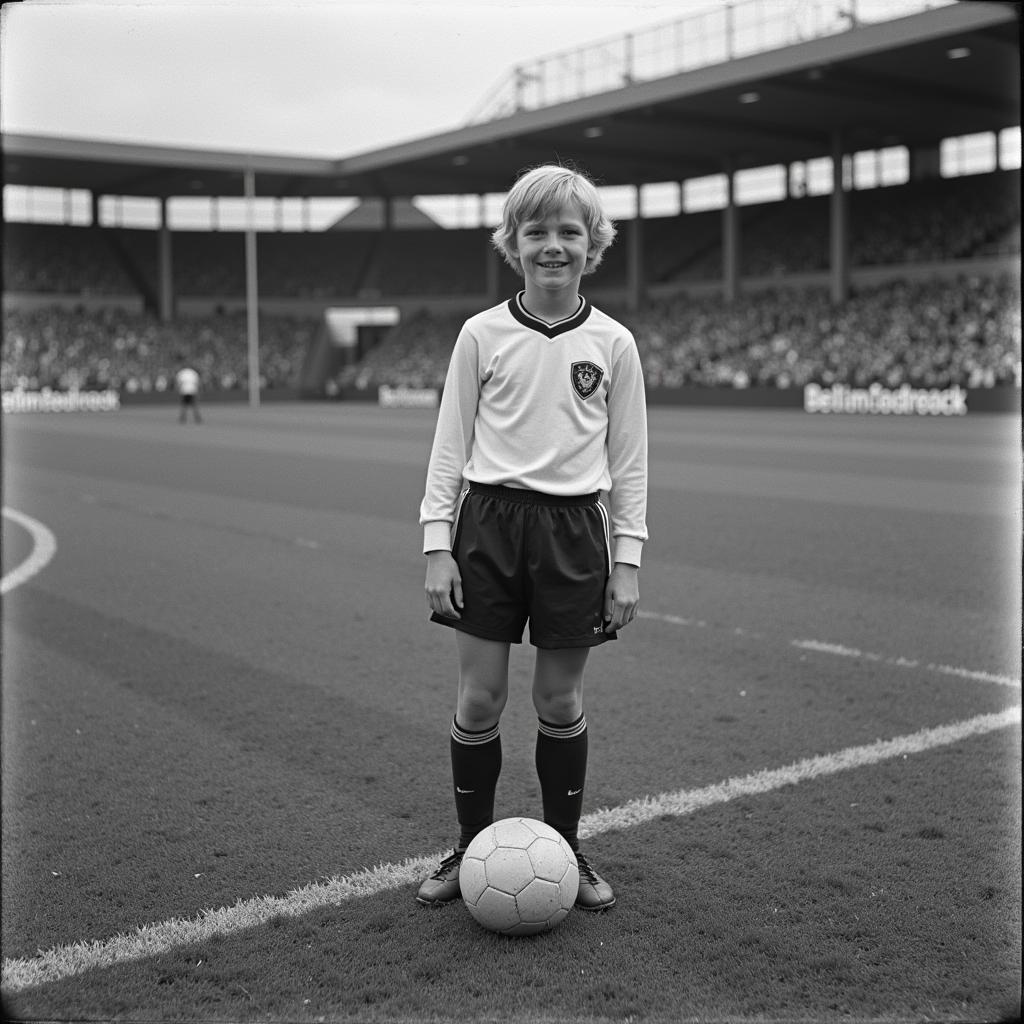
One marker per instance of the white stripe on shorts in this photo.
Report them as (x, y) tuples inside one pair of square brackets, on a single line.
[(458, 514), (607, 535)]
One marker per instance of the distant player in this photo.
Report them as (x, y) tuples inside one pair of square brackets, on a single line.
[(543, 408), (186, 380)]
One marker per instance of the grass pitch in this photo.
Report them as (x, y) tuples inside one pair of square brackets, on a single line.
[(222, 691)]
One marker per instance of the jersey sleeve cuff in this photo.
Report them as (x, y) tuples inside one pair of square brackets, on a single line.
[(628, 549), (437, 536)]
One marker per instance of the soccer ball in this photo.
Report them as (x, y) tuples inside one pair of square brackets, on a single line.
[(519, 877)]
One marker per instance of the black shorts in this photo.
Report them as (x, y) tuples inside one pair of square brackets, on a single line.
[(525, 556)]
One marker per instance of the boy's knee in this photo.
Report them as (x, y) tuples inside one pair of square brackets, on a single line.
[(479, 708), (558, 708)]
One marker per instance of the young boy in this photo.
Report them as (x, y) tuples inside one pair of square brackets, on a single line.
[(543, 408)]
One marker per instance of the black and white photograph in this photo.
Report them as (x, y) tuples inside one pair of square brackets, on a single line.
[(511, 511)]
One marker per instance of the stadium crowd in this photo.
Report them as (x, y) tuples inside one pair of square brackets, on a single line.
[(927, 334), (67, 350)]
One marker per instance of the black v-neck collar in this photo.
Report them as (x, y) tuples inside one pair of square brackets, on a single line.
[(527, 319)]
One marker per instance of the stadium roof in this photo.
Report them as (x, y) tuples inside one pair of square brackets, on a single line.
[(880, 85)]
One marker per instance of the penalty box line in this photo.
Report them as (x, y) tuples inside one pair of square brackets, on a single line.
[(153, 939)]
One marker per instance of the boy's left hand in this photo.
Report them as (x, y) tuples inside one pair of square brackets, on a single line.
[(621, 596)]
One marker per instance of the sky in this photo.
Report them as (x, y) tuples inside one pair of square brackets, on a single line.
[(328, 78)]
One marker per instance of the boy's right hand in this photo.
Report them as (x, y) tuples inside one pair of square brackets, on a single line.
[(444, 584)]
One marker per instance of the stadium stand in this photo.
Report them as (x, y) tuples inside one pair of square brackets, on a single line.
[(940, 219), (66, 348), (434, 262), (924, 221), (922, 332), (927, 334), (415, 354), (60, 259)]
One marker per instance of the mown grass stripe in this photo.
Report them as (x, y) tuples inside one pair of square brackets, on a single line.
[(150, 940)]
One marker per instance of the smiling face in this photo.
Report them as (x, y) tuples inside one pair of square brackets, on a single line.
[(552, 249)]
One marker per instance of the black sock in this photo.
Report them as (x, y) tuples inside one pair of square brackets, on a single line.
[(562, 770), (476, 765)]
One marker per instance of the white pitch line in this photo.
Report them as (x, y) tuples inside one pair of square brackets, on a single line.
[(842, 651), (44, 547), (154, 939), (950, 670), (637, 812)]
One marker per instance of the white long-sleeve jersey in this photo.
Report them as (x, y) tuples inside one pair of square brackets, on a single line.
[(557, 408)]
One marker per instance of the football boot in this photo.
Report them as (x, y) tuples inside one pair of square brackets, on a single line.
[(595, 893), (443, 885)]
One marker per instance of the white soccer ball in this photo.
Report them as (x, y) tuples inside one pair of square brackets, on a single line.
[(519, 877)]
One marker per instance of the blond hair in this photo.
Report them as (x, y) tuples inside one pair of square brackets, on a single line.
[(543, 190)]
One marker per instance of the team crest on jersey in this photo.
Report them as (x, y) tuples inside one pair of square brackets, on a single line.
[(585, 378)]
